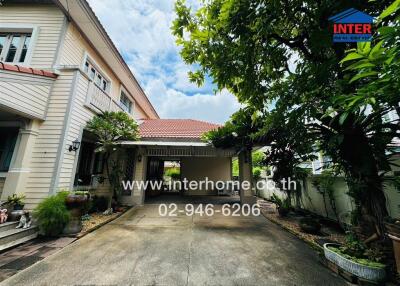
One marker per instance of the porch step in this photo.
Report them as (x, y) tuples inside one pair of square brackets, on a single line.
[(14, 236), (8, 225)]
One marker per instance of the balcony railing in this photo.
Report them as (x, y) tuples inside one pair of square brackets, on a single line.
[(100, 101)]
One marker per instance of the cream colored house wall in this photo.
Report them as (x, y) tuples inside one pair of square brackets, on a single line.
[(25, 94), (58, 46), (139, 113), (74, 52), (49, 21), (198, 168), (49, 140), (2, 180)]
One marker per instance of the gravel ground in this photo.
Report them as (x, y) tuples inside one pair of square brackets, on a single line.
[(291, 224)]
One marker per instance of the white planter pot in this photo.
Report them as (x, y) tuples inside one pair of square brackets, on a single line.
[(359, 270)]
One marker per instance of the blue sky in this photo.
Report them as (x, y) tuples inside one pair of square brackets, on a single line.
[(141, 31)]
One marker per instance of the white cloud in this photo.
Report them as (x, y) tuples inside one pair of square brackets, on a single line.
[(175, 104), (141, 31)]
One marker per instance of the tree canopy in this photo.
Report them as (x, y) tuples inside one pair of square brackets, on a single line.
[(302, 92), (110, 128)]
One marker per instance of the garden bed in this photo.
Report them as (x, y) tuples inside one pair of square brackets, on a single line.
[(291, 224), (97, 220)]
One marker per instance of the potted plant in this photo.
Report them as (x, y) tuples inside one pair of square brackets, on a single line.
[(310, 225), (16, 201), (283, 206), (52, 215), (353, 257), (75, 202), (393, 231)]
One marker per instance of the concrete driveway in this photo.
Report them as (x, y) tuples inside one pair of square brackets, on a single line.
[(142, 248)]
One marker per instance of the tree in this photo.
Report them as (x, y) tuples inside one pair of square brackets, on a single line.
[(279, 56), (110, 128), (375, 66)]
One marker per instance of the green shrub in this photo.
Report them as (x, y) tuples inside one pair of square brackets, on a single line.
[(353, 246), (52, 214), (257, 173), (281, 203), (15, 199)]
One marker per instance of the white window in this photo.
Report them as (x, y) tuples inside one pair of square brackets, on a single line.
[(96, 76), (125, 102), (14, 47)]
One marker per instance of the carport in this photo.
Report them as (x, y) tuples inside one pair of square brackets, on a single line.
[(180, 140)]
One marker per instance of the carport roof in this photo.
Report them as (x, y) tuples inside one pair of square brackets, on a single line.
[(175, 129)]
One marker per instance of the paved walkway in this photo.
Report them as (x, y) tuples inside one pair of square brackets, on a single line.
[(142, 248), (21, 257)]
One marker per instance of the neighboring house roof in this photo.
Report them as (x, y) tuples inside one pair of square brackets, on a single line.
[(175, 128), (20, 69)]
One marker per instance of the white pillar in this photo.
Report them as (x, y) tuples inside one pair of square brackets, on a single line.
[(246, 175), (20, 164), (138, 194)]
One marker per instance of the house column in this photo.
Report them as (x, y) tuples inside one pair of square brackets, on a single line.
[(138, 195), (20, 163), (246, 178)]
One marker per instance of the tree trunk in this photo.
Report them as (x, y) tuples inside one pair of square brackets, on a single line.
[(367, 185), (375, 204), (358, 158), (106, 162)]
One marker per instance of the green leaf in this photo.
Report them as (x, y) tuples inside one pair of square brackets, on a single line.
[(390, 10), (360, 65), (363, 48), (352, 56), (362, 75), (354, 100), (376, 51), (372, 100), (385, 30), (343, 117)]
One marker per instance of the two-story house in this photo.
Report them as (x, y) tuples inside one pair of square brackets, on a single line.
[(58, 68)]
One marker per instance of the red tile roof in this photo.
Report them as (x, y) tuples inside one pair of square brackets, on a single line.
[(17, 68), (175, 128)]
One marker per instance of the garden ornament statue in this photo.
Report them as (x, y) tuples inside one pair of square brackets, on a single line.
[(25, 221), (108, 211), (3, 215)]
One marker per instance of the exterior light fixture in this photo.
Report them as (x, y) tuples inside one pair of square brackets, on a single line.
[(139, 158), (75, 145)]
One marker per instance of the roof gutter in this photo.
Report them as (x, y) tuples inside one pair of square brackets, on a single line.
[(162, 143)]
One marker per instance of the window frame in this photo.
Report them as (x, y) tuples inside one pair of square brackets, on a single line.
[(98, 72), (124, 91), (19, 47), (31, 29)]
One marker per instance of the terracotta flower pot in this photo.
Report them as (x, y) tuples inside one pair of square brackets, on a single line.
[(75, 204), (73, 201)]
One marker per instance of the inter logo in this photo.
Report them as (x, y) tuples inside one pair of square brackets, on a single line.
[(352, 26)]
